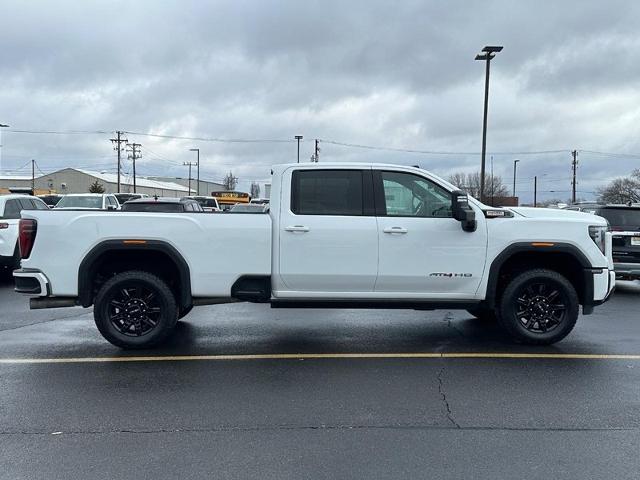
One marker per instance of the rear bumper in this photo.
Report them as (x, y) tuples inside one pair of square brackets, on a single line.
[(31, 282), (627, 270)]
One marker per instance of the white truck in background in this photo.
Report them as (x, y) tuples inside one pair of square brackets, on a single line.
[(337, 236)]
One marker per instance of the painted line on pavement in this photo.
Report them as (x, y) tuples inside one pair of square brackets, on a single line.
[(304, 356)]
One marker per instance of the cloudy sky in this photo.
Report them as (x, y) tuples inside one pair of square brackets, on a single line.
[(376, 73)]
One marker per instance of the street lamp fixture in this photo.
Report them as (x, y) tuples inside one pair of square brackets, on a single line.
[(198, 167), (298, 138), (488, 53)]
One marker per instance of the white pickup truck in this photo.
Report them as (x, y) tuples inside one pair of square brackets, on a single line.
[(337, 236)]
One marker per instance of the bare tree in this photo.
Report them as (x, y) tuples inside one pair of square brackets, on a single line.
[(470, 183), (230, 181), (255, 190), (622, 189)]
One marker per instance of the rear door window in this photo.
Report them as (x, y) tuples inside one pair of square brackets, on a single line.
[(327, 192)]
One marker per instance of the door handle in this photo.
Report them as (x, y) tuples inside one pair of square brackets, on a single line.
[(395, 230), (296, 228)]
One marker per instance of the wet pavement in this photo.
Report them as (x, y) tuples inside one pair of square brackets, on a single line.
[(494, 417)]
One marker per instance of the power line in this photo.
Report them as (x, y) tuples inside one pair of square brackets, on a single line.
[(61, 132), (436, 152), (212, 139)]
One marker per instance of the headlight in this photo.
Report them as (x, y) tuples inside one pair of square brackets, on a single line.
[(597, 234)]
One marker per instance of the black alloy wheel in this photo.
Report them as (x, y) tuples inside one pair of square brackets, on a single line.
[(135, 309), (542, 307), (539, 307)]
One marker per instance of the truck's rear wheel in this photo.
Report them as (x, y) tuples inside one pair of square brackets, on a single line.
[(135, 310), (539, 307)]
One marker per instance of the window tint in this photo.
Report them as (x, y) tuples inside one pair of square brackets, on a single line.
[(12, 209), (408, 195), (621, 217), (40, 205), (152, 207), (27, 204), (327, 192)]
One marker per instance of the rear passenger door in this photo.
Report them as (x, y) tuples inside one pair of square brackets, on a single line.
[(327, 233)]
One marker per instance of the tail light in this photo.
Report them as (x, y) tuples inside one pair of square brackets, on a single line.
[(27, 235)]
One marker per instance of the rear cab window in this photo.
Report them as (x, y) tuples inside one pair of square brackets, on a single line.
[(328, 192)]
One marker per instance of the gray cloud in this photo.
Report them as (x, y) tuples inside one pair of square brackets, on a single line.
[(368, 72)]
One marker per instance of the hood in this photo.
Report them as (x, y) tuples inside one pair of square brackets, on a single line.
[(558, 214)]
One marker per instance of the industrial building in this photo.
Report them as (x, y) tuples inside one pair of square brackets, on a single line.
[(74, 180)]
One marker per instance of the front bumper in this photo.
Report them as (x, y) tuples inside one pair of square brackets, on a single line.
[(31, 282), (599, 285)]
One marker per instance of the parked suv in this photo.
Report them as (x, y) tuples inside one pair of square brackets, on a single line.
[(624, 221), (10, 208)]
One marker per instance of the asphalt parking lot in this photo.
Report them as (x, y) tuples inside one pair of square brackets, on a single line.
[(245, 391)]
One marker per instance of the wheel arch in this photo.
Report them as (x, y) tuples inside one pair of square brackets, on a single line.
[(144, 255), (563, 258)]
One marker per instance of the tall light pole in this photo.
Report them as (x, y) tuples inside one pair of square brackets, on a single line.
[(2, 125), (298, 138), (488, 53), (198, 164), (515, 163), (189, 164)]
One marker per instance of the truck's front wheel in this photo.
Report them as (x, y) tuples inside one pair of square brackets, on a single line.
[(539, 307), (135, 310)]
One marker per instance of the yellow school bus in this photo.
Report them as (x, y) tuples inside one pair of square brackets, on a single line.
[(228, 199)]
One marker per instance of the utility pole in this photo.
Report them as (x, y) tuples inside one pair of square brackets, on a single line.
[(488, 53), (118, 141), (298, 138), (574, 165), (33, 177), (189, 164), (535, 191), (198, 164), (135, 154), (316, 153)]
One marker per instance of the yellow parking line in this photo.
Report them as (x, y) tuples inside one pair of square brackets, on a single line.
[(303, 356)]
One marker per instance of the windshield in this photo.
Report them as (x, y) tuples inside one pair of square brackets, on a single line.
[(152, 207), (80, 202), (622, 217)]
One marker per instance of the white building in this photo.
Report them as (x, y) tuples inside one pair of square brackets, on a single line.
[(75, 180)]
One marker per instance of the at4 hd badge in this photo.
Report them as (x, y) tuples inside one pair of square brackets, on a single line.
[(450, 275)]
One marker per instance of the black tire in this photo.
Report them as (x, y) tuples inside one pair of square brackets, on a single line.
[(135, 310), (539, 307), (484, 314)]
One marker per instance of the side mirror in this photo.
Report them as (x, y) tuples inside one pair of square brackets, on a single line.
[(462, 211), (111, 207)]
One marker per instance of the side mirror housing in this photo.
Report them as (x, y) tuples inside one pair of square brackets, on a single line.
[(462, 211), (111, 207)]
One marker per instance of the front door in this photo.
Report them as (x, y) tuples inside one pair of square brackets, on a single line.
[(423, 250), (328, 232)]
